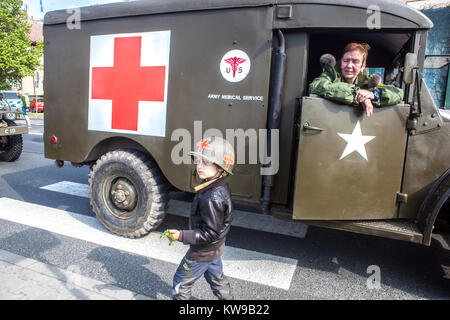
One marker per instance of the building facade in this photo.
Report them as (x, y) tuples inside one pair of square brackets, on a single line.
[(34, 85)]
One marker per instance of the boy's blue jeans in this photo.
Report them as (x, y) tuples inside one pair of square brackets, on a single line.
[(189, 271)]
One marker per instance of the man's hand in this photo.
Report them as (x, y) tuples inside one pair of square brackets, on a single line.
[(368, 106), (364, 95)]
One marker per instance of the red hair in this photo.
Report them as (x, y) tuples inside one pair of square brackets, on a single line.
[(361, 47)]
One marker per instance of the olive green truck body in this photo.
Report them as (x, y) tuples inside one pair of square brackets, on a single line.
[(125, 82)]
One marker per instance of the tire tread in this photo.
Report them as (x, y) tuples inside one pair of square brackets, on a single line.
[(152, 176)]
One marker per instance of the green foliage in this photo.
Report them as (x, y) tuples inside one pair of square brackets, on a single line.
[(18, 57)]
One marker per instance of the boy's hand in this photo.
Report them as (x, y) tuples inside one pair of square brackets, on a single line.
[(175, 234), (172, 234)]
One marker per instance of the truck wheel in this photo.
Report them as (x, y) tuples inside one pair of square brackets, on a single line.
[(11, 146), (128, 193)]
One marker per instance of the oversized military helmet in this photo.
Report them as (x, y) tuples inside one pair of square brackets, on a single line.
[(215, 150)]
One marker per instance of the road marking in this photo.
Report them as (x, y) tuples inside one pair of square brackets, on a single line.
[(242, 219), (68, 187), (65, 283), (266, 269)]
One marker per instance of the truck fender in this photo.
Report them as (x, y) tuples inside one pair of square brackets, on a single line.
[(431, 206), (111, 144), (116, 143)]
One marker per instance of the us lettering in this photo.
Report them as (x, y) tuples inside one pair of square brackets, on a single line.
[(229, 70)]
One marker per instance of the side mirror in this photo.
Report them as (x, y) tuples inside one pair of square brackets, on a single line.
[(410, 65)]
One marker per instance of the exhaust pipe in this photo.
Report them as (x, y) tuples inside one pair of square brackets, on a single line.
[(276, 91)]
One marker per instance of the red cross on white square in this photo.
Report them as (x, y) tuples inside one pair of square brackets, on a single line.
[(128, 83)]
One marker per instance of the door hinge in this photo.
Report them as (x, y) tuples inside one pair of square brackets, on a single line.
[(402, 197), (411, 124)]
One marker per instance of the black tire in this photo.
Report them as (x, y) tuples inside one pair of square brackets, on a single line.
[(11, 146), (145, 205)]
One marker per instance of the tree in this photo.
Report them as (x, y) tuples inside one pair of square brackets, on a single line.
[(18, 56)]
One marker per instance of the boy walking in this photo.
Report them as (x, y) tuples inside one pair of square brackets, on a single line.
[(209, 222)]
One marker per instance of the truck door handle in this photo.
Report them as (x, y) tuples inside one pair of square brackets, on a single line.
[(307, 126)]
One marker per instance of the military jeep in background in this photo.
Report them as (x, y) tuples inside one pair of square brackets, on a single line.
[(120, 85), (11, 141)]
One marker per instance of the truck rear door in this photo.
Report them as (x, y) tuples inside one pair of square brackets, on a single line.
[(349, 166)]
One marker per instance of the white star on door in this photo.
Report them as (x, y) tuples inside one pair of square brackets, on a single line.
[(355, 142)]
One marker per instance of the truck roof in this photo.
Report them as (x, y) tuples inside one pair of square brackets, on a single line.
[(136, 8)]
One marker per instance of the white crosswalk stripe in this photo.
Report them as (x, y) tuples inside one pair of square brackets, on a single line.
[(241, 264), (242, 219)]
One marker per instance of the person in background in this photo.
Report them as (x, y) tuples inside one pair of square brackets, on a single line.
[(24, 106)]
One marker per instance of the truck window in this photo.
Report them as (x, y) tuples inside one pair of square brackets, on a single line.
[(10, 95), (387, 52)]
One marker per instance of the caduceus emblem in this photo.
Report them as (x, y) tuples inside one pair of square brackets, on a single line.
[(235, 62)]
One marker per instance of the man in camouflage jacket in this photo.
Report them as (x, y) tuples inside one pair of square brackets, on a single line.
[(330, 85), (349, 83)]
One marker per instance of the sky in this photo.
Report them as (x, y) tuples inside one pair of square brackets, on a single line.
[(34, 6)]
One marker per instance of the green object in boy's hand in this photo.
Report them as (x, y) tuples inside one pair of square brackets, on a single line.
[(167, 234)]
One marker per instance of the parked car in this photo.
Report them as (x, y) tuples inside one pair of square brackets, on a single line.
[(12, 98), (37, 104)]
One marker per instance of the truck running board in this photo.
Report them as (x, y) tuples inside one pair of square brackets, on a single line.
[(405, 230)]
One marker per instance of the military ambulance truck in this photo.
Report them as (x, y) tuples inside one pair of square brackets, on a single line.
[(11, 141), (125, 83)]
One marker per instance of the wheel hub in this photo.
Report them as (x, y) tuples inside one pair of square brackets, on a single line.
[(123, 194)]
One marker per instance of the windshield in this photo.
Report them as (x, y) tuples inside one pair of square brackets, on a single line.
[(10, 95)]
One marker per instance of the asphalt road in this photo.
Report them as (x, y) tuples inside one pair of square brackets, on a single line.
[(321, 264)]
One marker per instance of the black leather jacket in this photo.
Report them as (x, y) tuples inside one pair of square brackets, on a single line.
[(210, 221)]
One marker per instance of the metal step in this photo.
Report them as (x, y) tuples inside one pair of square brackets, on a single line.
[(405, 230)]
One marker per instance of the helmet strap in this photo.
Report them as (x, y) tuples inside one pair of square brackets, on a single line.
[(207, 183)]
